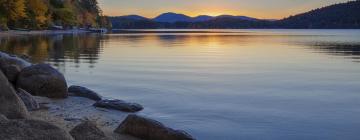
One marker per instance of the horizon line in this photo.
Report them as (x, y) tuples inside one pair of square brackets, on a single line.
[(194, 16), (152, 16)]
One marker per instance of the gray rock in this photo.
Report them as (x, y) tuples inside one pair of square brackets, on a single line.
[(10, 104), (119, 105), (149, 129), (3, 118), (25, 57), (88, 131), (29, 101), (11, 72), (7, 60), (31, 130), (83, 92), (43, 80), (11, 65), (73, 119)]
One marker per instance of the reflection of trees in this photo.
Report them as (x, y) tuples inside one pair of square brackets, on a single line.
[(341, 49), (56, 49)]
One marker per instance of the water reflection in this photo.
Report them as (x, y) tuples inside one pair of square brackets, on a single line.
[(85, 48), (57, 49), (351, 51), (246, 84)]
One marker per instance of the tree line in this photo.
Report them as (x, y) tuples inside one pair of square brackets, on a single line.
[(44, 14)]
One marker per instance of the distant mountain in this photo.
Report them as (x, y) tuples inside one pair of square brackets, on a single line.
[(237, 17), (343, 15), (202, 18), (132, 22), (172, 17), (135, 17)]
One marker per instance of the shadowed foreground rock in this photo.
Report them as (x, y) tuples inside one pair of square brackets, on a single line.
[(119, 105), (10, 104), (83, 92), (88, 131), (43, 80), (11, 72), (31, 130), (28, 100), (149, 129)]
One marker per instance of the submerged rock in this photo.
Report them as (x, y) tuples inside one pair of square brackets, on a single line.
[(10, 104), (119, 105), (83, 92), (149, 129), (29, 101), (88, 131), (31, 130), (43, 80)]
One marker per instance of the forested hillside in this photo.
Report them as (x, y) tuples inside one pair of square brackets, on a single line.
[(343, 15), (43, 14)]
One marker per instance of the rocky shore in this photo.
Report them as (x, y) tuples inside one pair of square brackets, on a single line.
[(37, 104)]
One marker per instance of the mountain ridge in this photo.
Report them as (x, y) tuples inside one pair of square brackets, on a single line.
[(171, 17), (337, 16)]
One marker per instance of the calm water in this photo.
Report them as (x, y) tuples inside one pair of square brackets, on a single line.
[(244, 84)]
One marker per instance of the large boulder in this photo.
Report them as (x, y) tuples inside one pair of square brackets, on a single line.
[(83, 92), (149, 129), (88, 131), (43, 80), (10, 104), (29, 101), (119, 105), (11, 65), (7, 60), (31, 130)]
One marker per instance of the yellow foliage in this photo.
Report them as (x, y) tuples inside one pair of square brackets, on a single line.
[(15, 9), (39, 9)]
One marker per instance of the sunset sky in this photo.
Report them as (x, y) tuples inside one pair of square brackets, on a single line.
[(271, 9)]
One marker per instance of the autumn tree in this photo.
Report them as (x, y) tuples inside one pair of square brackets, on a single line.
[(3, 19), (11, 10), (37, 13), (40, 14)]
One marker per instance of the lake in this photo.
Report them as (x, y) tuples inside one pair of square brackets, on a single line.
[(219, 84)]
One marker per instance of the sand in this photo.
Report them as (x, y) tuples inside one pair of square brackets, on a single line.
[(67, 113)]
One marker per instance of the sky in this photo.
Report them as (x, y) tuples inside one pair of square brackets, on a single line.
[(266, 9)]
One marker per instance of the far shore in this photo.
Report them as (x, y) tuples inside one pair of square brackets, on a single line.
[(41, 32)]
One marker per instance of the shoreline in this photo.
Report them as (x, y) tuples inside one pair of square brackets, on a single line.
[(36, 96), (41, 32)]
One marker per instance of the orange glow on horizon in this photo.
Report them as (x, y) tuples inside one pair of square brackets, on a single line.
[(255, 14), (261, 11)]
